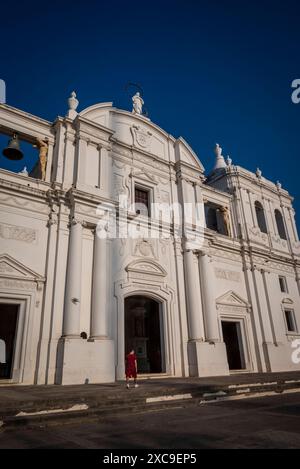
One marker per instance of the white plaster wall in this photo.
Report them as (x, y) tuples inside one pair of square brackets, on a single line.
[(30, 247), (229, 277), (92, 175)]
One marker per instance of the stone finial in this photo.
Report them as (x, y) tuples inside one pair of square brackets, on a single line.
[(228, 161), (278, 185), (258, 173), (73, 104), (220, 162)]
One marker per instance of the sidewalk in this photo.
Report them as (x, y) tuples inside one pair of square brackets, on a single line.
[(31, 405)]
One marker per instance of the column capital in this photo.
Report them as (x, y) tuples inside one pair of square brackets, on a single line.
[(195, 252), (206, 254), (77, 221), (52, 219)]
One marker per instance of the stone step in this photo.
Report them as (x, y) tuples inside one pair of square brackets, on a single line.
[(64, 411)]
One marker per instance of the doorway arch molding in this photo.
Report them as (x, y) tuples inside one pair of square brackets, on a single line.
[(148, 268), (165, 296)]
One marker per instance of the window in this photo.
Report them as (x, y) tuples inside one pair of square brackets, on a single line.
[(290, 320), (141, 201), (283, 284), (260, 216), (280, 224), (211, 218)]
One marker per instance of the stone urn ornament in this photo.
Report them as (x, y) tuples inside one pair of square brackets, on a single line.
[(73, 105)]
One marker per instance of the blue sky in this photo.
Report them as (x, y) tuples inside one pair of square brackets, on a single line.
[(211, 71)]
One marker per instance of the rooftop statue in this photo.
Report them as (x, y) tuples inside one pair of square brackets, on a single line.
[(137, 104), (218, 151)]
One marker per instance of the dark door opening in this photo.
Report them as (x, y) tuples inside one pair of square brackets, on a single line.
[(143, 333), (232, 338), (8, 325)]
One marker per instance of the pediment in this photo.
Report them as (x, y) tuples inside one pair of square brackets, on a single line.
[(143, 174), (98, 113), (11, 268), (287, 301), (185, 153), (138, 131), (146, 267), (232, 299)]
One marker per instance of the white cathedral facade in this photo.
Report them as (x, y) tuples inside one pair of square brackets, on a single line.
[(73, 303)]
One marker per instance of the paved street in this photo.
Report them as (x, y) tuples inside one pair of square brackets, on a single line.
[(266, 422)]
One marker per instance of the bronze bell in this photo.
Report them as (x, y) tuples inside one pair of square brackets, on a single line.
[(12, 151)]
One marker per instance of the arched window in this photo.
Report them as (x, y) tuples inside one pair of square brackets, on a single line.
[(260, 215), (280, 224)]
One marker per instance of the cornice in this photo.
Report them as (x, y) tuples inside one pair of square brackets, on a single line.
[(37, 189), (242, 173), (213, 190), (24, 114), (28, 126)]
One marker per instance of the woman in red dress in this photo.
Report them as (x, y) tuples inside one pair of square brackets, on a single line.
[(131, 368)]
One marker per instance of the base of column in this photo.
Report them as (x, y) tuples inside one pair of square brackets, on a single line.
[(207, 359), (121, 371), (85, 362)]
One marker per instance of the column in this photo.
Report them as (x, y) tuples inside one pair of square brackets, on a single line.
[(193, 297), (80, 158), (43, 349), (263, 307), (180, 311), (71, 326), (274, 307), (293, 223), (272, 215), (255, 320), (188, 207), (58, 152), (209, 299), (69, 159), (252, 202), (297, 277), (49, 161), (200, 214), (99, 323)]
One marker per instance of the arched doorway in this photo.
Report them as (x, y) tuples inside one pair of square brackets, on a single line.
[(144, 333)]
